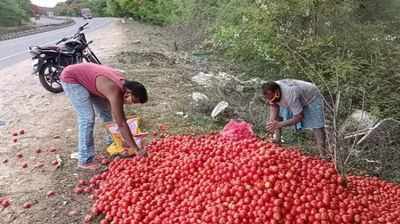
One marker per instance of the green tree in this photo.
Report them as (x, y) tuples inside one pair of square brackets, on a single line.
[(71, 7), (98, 7), (333, 43), (10, 13), (26, 6)]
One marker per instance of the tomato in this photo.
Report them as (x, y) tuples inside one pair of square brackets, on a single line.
[(27, 205)]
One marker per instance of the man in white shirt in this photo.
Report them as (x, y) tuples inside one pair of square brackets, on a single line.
[(295, 103)]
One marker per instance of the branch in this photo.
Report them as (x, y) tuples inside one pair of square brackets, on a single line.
[(358, 128), (314, 71)]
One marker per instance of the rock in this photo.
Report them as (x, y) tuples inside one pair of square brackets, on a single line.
[(198, 97), (219, 108), (203, 79), (201, 103), (358, 120), (180, 113)]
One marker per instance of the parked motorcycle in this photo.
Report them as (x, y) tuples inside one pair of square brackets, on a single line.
[(49, 61)]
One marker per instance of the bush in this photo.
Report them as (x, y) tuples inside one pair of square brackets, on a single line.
[(330, 43), (11, 14)]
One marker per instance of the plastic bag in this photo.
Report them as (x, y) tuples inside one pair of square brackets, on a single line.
[(117, 146), (237, 130)]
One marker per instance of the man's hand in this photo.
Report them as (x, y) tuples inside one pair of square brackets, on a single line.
[(272, 126)]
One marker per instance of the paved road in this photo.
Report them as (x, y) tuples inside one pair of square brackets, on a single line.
[(46, 21), (16, 50)]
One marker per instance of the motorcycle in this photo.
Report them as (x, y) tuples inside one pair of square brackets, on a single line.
[(49, 61)]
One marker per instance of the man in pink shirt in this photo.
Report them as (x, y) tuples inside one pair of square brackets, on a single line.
[(93, 87)]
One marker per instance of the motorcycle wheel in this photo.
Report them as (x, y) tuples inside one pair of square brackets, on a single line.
[(49, 78)]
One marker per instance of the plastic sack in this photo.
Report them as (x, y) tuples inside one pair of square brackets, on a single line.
[(237, 130), (117, 146)]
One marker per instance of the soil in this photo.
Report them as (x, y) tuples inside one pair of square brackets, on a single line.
[(146, 54)]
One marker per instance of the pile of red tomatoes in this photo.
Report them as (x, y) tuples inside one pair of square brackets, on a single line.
[(210, 179)]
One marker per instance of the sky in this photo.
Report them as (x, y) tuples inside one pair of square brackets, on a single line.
[(46, 3)]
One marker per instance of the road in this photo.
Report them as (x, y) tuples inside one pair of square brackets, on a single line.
[(16, 50), (43, 20)]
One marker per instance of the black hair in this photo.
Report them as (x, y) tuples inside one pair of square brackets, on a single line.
[(270, 86), (137, 89)]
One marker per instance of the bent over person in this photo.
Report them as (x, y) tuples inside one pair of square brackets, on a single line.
[(92, 87), (295, 103)]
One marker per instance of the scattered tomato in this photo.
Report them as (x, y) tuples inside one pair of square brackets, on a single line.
[(5, 203), (51, 193), (27, 205), (78, 190)]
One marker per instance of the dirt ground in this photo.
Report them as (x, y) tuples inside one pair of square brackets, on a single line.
[(145, 54)]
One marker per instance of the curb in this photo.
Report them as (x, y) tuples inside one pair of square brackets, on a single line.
[(40, 29)]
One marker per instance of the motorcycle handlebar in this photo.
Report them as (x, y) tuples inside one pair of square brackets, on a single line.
[(62, 40), (81, 28)]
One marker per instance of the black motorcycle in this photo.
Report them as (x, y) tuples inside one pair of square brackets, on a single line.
[(49, 61)]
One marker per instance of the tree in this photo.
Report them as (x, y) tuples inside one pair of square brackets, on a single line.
[(71, 7), (25, 5), (98, 7), (10, 13)]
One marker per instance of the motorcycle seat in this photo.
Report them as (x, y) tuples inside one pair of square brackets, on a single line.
[(52, 48), (67, 52), (58, 49)]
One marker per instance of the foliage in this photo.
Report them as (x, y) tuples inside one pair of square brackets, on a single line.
[(26, 6), (14, 13), (153, 11), (336, 44), (98, 7), (71, 7)]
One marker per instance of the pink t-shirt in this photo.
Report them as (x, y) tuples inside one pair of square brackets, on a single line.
[(86, 74)]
